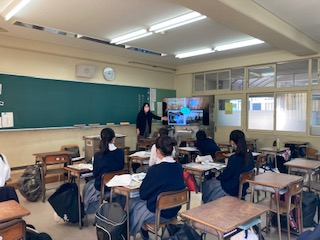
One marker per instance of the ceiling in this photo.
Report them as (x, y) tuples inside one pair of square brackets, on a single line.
[(290, 25)]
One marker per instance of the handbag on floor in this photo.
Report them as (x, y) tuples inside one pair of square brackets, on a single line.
[(180, 232), (65, 202)]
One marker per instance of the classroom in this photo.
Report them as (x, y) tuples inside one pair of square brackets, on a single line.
[(269, 90)]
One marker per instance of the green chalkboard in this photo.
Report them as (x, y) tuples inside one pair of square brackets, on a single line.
[(42, 103)]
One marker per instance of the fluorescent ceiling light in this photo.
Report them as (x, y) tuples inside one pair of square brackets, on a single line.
[(136, 34), (13, 8), (176, 22), (134, 38), (247, 43), (194, 53)]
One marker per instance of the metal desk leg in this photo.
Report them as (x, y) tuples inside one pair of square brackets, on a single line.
[(79, 202), (128, 215), (278, 212)]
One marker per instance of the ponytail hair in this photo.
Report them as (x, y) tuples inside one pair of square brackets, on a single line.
[(239, 138), (107, 134), (166, 145)]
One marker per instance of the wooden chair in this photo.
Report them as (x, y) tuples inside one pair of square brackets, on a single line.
[(311, 153), (166, 200), (219, 156), (106, 177), (243, 179), (14, 229), (59, 162), (73, 148), (286, 206)]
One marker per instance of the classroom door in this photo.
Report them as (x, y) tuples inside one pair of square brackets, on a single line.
[(228, 115)]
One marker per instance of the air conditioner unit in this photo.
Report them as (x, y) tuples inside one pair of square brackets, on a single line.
[(85, 71)]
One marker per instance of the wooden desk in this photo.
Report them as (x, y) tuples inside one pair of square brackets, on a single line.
[(11, 210), (190, 151), (139, 157), (189, 141), (201, 170), (125, 191), (309, 165), (274, 151), (223, 215), (73, 171), (145, 143), (276, 181), (40, 156)]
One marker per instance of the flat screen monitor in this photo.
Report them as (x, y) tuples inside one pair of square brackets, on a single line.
[(186, 111)]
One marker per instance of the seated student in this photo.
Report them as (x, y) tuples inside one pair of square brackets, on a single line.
[(108, 159), (227, 183), (162, 177), (153, 153), (206, 145), (5, 170)]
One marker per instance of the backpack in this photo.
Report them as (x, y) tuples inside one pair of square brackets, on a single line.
[(111, 221), (65, 202), (310, 202), (29, 184)]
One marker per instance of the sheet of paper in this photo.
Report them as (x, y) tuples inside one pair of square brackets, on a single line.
[(159, 108), (7, 119), (153, 94), (120, 180), (141, 154)]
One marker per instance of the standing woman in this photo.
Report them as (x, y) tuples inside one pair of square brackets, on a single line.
[(227, 183), (108, 159), (165, 176), (144, 121)]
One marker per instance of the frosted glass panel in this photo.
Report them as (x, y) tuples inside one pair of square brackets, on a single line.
[(291, 112), (229, 113), (199, 82), (315, 113), (260, 112)]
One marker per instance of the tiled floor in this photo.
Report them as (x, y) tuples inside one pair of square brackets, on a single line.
[(42, 217)]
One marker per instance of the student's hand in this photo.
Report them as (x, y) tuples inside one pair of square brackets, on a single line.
[(164, 118), (138, 131)]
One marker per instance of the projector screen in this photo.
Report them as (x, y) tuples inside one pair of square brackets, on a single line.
[(186, 111)]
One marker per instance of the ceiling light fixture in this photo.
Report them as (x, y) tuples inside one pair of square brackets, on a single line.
[(176, 22), (195, 53), (131, 36), (13, 8), (241, 44)]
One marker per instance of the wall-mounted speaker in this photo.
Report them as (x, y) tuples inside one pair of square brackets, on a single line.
[(85, 71)]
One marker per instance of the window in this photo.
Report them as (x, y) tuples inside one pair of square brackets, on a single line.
[(315, 113), (261, 76), (292, 74), (291, 112), (199, 82), (237, 79), (229, 113), (261, 112), (314, 72)]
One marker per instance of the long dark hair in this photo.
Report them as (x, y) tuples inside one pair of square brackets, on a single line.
[(165, 144), (107, 134), (239, 138), (142, 109)]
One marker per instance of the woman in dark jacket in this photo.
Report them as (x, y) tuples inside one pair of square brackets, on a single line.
[(144, 121), (227, 183)]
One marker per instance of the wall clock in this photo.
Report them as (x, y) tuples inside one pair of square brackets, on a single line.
[(109, 74)]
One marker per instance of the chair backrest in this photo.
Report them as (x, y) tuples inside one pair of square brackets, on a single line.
[(171, 199), (72, 148), (106, 177), (311, 153), (261, 161), (14, 229), (296, 187), (219, 156), (243, 179)]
